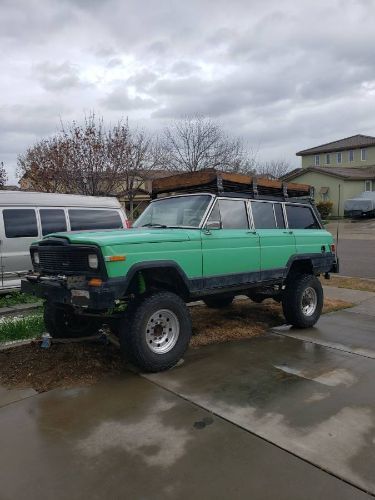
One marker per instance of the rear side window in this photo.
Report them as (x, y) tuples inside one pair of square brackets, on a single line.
[(233, 214), (20, 223), (301, 217), (53, 220), (81, 220), (263, 215)]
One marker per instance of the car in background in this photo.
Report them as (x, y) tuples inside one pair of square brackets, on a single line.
[(362, 205), (28, 216)]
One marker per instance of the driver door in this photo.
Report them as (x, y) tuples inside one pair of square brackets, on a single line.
[(230, 248)]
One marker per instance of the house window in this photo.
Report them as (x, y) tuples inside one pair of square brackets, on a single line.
[(368, 185), (324, 193), (317, 160), (339, 157), (363, 154), (328, 159), (351, 155)]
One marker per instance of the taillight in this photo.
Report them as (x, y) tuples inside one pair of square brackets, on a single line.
[(333, 248), (127, 224)]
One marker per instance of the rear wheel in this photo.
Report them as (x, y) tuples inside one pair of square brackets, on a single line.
[(303, 300), (218, 301), (156, 331), (61, 322)]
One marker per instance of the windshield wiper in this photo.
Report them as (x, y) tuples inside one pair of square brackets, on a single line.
[(151, 224)]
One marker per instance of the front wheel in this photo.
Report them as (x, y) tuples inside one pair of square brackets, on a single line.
[(61, 322), (303, 301), (156, 331)]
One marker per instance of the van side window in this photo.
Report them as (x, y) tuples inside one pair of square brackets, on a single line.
[(20, 223), (94, 219), (53, 220), (279, 215), (263, 215), (233, 214), (301, 217)]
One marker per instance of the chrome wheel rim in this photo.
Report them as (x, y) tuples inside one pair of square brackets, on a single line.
[(309, 301), (162, 331)]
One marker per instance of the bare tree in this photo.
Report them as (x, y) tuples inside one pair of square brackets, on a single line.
[(90, 159), (196, 143), (3, 175), (272, 169)]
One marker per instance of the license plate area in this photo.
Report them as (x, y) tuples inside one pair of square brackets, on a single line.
[(80, 297)]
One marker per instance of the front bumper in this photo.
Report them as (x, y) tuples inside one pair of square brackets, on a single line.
[(99, 297)]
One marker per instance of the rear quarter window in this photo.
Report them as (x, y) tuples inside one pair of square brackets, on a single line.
[(301, 217), (81, 220), (20, 223)]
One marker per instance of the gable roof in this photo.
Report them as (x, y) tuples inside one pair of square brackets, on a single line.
[(345, 173), (353, 142)]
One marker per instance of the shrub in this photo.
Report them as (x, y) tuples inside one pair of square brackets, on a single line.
[(325, 208)]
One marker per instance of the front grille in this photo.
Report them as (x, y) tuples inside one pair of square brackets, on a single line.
[(64, 259)]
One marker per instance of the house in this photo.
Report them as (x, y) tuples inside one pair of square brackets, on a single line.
[(338, 170)]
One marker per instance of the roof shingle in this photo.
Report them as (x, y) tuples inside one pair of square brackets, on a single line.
[(353, 142)]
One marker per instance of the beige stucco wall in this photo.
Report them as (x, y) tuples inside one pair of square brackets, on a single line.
[(309, 161), (348, 189)]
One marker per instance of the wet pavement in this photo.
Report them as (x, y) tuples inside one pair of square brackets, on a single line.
[(131, 439), (288, 415)]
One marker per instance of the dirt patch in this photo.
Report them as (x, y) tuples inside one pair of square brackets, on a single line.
[(62, 365), (352, 283), (243, 319), (77, 364)]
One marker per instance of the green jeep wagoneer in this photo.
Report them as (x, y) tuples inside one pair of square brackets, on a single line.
[(216, 236)]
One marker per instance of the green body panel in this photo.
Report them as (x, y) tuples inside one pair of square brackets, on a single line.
[(203, 253), (230, 251), (276, 247)]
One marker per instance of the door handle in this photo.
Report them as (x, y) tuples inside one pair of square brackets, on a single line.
[(251, 232), (288, 232)]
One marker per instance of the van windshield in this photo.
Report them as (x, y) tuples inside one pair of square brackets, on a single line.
[(182, 211)]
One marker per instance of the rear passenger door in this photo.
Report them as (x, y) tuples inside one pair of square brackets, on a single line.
[(231, 254), (277, 243), (305, 227), (20, 229)]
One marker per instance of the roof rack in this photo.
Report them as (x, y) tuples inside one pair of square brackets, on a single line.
[(213, 181)]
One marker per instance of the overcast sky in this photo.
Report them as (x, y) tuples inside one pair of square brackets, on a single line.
[(283, 74)]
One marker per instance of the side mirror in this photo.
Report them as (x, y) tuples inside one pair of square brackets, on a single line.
[(215, 224)]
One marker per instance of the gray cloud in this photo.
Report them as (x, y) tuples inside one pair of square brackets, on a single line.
[(282, 78)]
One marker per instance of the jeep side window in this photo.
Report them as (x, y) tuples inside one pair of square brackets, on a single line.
[(301, 217), (279, 215), (233, 214), (263, 215)]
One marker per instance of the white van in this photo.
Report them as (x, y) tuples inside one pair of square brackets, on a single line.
[(28, 216)]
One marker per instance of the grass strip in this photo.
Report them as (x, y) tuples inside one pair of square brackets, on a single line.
[(15, 298), (21, 328), (351, 283)]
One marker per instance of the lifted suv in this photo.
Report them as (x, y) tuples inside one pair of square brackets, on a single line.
[(223, 234)]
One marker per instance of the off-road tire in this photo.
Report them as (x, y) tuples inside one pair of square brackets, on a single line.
[(292, 300), (135, 337), (218, 301), (62, 323)]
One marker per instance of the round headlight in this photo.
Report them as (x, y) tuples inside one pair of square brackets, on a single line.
[(93, 261), (36, 258)]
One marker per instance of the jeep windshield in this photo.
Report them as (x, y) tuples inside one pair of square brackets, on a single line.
[(179, 211)]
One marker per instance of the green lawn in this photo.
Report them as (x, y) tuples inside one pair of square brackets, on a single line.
[(14, 298), (20, 328)]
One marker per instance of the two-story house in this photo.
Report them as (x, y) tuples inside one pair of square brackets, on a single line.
[(338, 170)]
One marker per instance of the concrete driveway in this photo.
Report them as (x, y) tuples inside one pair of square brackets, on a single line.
[(289, 415)]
